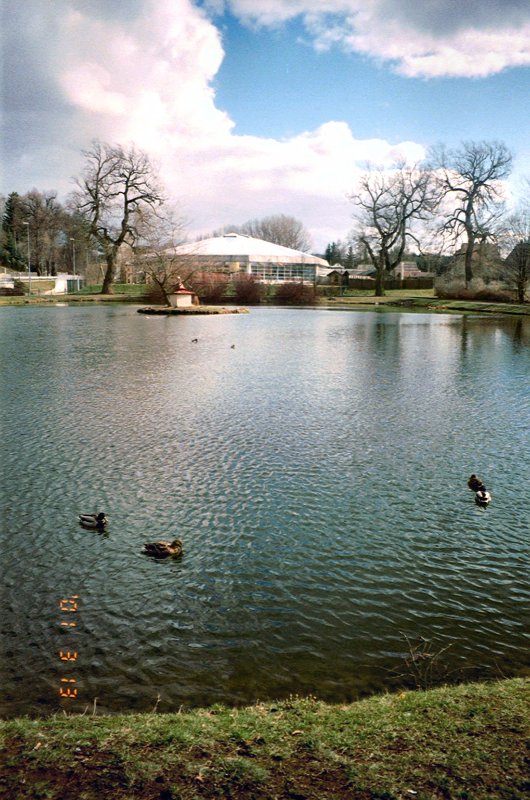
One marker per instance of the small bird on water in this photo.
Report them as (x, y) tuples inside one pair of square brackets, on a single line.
[(93, 521), (475, 483), (163, 549), (482, 498)]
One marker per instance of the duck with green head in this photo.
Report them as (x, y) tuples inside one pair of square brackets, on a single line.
[(93, 521)]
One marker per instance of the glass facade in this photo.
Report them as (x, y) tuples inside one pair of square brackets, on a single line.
[(282, 273)]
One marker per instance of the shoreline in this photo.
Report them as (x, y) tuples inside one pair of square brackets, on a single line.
[(388, 302), (163, 311), (461, 741)]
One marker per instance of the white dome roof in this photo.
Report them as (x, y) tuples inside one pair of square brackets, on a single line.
[(239, 247)]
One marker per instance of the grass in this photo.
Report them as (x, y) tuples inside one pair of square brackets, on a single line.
[(465, 742), (390, 293), (400, 299), (136, 289), (424, 300), (121, 293)]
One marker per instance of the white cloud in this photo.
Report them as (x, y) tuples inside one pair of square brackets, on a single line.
[(148, 80), (433, 38), (308, 176), (156, 75), (88, 87)]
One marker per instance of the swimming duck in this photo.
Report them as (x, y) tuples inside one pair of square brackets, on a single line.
[(164, 549), (482, 498), (475, 483), (93, 521)]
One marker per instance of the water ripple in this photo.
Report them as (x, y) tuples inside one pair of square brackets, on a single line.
[(316, 474)]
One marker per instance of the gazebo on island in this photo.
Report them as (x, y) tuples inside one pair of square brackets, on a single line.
[(181, 297), (182, 301)]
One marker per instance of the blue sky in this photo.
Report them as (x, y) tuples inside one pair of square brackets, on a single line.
[(257, 107), (273, 83)]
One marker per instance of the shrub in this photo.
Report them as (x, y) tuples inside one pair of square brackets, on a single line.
[(153, 294), (492, 295), (296, 293), (247, 290), (455, 290), (210, 287), (327, 291)]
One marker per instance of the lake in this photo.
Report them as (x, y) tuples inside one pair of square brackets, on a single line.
[(316, 473)]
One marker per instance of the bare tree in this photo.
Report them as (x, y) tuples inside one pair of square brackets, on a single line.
[(469, 179), (156, 249), (46, 221), (279, 229), (516, 238), (116, 183), (389, 203)]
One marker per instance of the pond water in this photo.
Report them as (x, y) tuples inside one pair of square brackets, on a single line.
[(316, 473)]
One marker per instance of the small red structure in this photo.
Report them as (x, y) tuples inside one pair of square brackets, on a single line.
[(181, 297)]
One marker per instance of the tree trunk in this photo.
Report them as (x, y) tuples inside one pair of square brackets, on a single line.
[(109, 273), (522, 282), (380, 276), (468, 263), (470, 244)]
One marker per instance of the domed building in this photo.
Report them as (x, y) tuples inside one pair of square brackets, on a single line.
[(267, 262)]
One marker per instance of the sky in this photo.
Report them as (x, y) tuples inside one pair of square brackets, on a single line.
[(249, 108)]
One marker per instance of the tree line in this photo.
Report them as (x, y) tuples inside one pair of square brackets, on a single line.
[(39, 233), (281, 229), (453, 200)]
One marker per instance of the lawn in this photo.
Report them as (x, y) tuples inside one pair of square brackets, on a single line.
[(467, 742)]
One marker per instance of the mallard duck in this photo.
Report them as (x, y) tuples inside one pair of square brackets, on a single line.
[(93, 521), (482, 498), (164, 549), (475, 484)]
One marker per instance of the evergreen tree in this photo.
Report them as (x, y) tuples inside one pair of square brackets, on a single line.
[(333, 253), (12, 225)]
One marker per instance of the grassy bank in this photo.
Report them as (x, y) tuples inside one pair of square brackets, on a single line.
[(52, 300), (401, 300), (465, 742), (395, 299)]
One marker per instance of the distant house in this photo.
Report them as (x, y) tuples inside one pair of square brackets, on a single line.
[(409, 269), (366, 270), (486, 260), (519, 256), (338, 276)]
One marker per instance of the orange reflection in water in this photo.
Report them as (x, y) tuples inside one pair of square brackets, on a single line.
[(68, 605)]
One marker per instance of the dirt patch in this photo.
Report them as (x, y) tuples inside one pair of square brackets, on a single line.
[(98, 775)]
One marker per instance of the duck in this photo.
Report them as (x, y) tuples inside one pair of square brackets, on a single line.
[(93, 521), (194, 341), (482, 498), (475, 483), (164, 549)]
